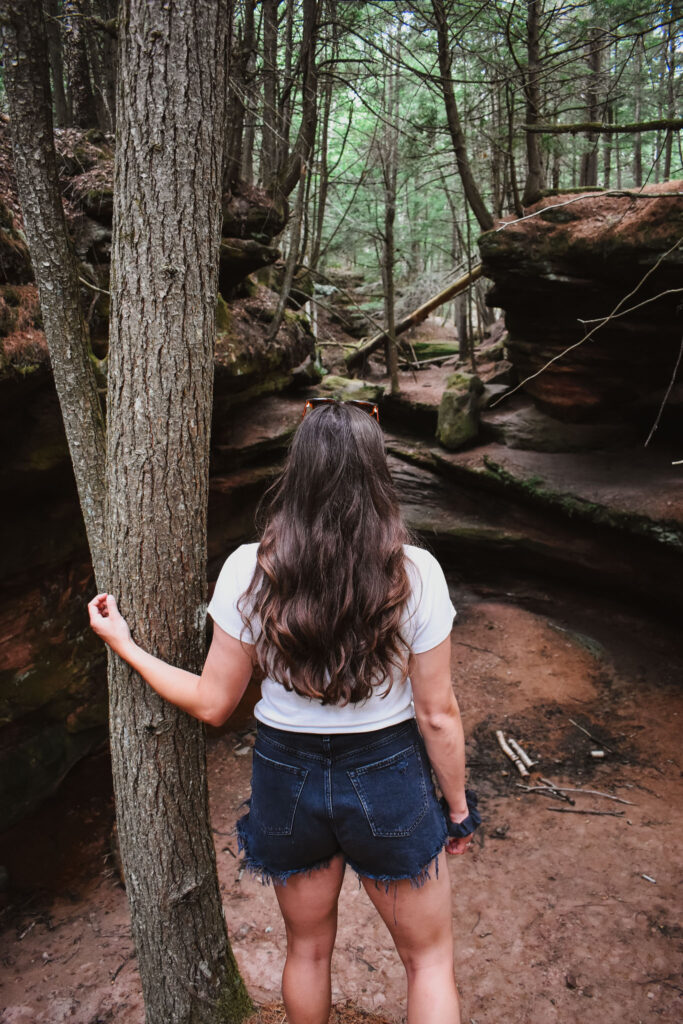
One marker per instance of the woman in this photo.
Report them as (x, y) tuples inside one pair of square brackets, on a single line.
[(350, 626)]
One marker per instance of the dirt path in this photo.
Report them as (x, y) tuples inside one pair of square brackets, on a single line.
[(555, 918)]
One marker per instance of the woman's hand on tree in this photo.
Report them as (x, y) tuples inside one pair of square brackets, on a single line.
[(108, 622)]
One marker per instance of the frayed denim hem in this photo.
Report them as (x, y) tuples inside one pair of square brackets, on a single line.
[(267, 876), (416, 880)]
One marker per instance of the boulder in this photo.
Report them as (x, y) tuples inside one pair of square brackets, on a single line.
[(577, 260), (248, 212), (458, 421), (240, 257)]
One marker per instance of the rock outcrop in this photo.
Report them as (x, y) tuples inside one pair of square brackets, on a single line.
[(575, 261), (52, 680)]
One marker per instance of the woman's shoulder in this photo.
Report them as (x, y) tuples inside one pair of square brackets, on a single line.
[(423, 560), (239, 566)]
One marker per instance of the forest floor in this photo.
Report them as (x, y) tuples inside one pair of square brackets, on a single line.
[(558, 917)]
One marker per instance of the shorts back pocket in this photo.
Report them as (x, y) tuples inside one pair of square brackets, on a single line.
[(275, 792), (393, 793)]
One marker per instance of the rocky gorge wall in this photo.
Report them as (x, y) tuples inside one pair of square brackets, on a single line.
[(52, 680), (608, 265)]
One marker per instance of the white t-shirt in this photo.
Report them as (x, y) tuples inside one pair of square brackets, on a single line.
[(428, 619)]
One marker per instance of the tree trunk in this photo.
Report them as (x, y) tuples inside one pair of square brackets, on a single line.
[(169, 152), (83, 107), (472, 194), (389, 160), (54, 44), (670, 70), (269, 129), (638, 106), (305, 139), (250, 94), (589, 160), (534, 180), (28, 90), (101, 51)]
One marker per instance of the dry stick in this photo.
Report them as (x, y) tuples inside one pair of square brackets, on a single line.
[(666, 396), (521, 768), (591, 736), (93, 287), (631, 309), (546, 791), (594, 792), (417, 315), (576, 810), (551, 785), (593, 330)]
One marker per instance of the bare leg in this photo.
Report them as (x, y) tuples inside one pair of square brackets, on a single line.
[(420, 923), (309, 907)]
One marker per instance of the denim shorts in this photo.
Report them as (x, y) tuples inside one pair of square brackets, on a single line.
[(369, 796)]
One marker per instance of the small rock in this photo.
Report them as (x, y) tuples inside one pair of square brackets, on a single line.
[(570, 981)]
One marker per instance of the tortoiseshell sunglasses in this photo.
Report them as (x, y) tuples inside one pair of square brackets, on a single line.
[(371, 408)]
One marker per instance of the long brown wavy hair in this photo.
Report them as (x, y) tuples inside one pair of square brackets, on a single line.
[(330, 584)]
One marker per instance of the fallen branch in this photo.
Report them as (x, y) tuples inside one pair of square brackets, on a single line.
[(591, 736), (546, 791), (576, 810), (519, 765), (666, 397), (416, 317), (93, 287), (599, 128), (594, 792)]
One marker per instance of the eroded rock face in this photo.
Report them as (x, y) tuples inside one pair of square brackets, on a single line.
[(577, 260), (52, 680)]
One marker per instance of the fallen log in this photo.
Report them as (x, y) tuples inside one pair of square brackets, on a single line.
[(416, 317)]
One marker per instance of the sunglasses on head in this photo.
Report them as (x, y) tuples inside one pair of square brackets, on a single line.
[(369, 407)]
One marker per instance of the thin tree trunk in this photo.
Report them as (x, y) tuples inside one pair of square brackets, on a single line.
[(250, 104), (389, 158), (534, 180), (305, 139), (54, 43), (292, 257), (269, 128), (510, 105), (168, 175), (83, 106), (28, 90), (638, 106), (472, 194), (670, 68), (589, 161)]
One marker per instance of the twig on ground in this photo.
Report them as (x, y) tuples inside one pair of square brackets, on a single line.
[(519, 765), (594, 792), (591, 736), (546, 791), (577, 810)]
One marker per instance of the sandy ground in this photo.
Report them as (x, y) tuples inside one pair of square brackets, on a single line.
[(558, 916)]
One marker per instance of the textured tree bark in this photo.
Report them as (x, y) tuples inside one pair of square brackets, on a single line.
[(594, 105), (83, 106), (269, 130), (54, 44), (171, 114), (472, 194), (54, 264), (305, 139)]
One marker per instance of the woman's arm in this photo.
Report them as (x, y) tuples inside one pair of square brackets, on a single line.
[(211, 697), (438, 717)]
